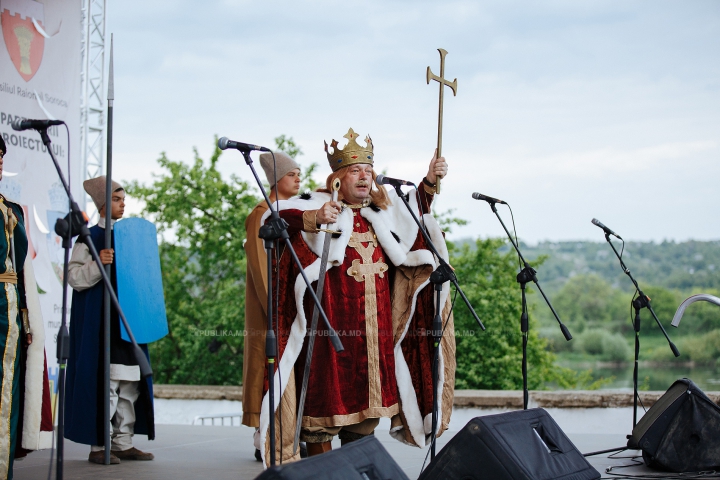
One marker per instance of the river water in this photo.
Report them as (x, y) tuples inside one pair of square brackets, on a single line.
[(571, 420), (652, 376)]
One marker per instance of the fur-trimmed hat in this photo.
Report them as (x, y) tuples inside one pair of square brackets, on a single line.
[(283, 162), (95, 187)]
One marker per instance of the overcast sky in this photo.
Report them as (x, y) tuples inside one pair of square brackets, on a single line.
[(567, 110)]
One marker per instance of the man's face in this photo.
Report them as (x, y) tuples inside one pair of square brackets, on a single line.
[(355, 186), (118, 205), (289, 185)]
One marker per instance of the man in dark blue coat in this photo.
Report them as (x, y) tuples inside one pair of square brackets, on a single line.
[(131, 405)]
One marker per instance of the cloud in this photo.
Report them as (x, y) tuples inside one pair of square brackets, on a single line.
[(556, 100)]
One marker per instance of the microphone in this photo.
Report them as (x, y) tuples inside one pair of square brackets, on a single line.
[(480, 196), (395, 182), (597, 222), (21, 125), (225, 143)]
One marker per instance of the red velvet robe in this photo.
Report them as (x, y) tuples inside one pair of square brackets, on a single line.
[(339, 388)]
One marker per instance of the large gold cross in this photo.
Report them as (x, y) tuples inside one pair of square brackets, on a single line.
[(365, 272), (443, 83)]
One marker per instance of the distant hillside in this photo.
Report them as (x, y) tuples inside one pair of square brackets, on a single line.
[(592, 295), (679, 266)]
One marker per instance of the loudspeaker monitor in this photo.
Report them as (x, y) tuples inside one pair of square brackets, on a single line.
[(681, 431), (364, 459), (522, 445)]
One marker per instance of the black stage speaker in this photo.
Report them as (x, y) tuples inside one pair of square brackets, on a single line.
[(522, 445), (364, 459), (681, 432)]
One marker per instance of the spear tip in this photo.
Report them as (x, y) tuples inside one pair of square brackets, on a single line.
[(111, 82)]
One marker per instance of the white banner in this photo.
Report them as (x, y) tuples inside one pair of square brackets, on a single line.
[(40, 67)]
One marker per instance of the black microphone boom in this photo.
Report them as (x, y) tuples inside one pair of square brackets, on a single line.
[(597, 222), (480, 196), (395, 182), (27, 124), (225, 143)]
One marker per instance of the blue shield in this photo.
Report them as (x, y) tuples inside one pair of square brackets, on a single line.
[(139, 280)]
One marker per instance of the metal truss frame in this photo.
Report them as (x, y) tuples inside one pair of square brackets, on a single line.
[(93, 103)]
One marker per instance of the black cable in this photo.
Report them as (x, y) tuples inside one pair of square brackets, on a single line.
[(67, 129), (57, 396), (632, 321), (276, 293), (420, 212), (452, 306), (277, 195), (426, 457), (435, 358), (652, 476), (515, 233), (52, 448)]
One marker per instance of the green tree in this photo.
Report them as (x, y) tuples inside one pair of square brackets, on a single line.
[(447, 221), (309, 184), (492, 359), (201, 219), (589, 302), (664, 303), (288, 145)]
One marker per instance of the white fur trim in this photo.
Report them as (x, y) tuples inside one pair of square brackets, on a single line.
[(32, 437), (46, 440), (395, 219), (291, 353), (417, 426)]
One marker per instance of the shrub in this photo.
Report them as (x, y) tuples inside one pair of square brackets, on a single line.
[(590, 342), (608, 346), (555, 340), (703, 349), (615, 348)]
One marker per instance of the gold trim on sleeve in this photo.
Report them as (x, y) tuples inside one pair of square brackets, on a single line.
[(309, 221)]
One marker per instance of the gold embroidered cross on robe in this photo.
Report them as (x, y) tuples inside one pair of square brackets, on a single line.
[(365, 272)]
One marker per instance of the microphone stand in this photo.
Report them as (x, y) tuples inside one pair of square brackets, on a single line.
[(642, 301), (526, 275), (276, 228), (65, 229), (63, 342), (442, 274)]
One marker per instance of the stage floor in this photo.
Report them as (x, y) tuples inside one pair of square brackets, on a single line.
[(192, 452)]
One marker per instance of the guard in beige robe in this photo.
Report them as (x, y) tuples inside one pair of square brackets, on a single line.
[(254, 362)]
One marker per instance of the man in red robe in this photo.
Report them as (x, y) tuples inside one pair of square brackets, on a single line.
[(378, 297)]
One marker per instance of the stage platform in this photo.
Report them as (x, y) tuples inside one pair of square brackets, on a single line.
[(215, 452)]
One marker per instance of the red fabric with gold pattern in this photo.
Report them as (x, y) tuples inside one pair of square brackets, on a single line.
[(417, 348), (339, 383)]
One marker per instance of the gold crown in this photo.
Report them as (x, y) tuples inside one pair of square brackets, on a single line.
[(352, 154)]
